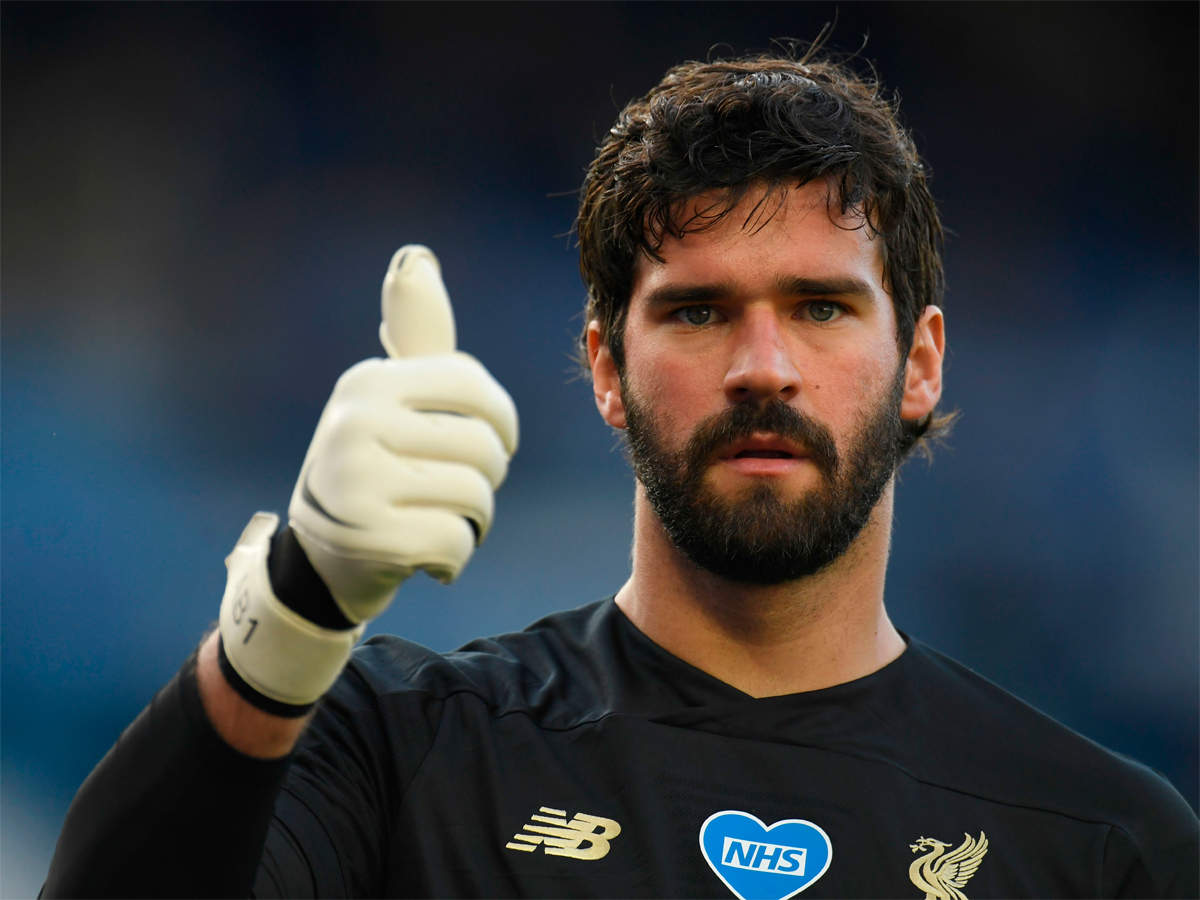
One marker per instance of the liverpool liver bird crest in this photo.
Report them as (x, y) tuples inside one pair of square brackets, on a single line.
[(941, 875)]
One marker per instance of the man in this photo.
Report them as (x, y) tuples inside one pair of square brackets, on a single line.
[(742, 718)]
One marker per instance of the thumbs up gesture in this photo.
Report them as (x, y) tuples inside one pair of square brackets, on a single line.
[(399, 477), (406, 456)]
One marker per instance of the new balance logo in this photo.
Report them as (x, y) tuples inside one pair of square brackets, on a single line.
[(583, 837)]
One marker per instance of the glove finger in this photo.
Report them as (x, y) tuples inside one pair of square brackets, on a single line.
[(446, 437), (455, 383), (440, 485), (361, 484), (435, 540)]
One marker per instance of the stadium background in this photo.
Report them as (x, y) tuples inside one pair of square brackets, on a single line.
[(199, 202)]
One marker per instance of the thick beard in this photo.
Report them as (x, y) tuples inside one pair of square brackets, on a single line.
[(756, 537)]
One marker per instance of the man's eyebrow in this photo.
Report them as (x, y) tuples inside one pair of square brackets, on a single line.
[(671, 295), (845, 286), (793, 286)]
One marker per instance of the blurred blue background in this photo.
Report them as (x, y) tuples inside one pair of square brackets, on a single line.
[(199, 202)]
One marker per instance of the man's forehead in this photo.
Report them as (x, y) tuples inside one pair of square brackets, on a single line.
[(761, 201), (808, 209)]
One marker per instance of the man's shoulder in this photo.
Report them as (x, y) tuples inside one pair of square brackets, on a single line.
[(533, 667), (970, 734)]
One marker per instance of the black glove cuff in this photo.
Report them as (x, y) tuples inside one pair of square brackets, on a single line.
[(297, 584)]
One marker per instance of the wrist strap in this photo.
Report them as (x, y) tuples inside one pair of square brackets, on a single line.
[(283, 661), (297, 584)]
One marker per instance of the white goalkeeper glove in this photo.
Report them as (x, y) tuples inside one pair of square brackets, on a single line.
[(399, 477)]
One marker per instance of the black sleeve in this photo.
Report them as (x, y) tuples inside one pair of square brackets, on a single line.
[(332, 835), (1163, 862), (171, 810)]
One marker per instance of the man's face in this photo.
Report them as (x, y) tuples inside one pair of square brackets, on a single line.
[(762, 388)]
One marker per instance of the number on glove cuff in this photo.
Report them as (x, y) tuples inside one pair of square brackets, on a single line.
[(241, 603)]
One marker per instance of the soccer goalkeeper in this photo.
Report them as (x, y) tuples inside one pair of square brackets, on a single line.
[(741, 718)]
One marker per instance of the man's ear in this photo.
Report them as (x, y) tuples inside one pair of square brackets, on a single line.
[(923, 368), (606, 383)]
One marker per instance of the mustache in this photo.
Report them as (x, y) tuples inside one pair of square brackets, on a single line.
[(737, 423)]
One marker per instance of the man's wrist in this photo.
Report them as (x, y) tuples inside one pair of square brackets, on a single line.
[(274, 657), (254, 697), (245, 726)]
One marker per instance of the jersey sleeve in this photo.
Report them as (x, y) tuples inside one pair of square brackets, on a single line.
[(332, 830), (170, 811), (174, 811), (1159, 854)]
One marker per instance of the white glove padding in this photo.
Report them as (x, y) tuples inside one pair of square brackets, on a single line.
[(406, 455), (278, 654)]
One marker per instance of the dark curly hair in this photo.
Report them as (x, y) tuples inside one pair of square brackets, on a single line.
[(735, 124)]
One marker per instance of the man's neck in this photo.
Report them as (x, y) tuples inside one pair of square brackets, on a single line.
[(818, 631)]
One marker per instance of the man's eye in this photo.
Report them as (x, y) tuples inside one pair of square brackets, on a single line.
[(695, 315), (823, 311)]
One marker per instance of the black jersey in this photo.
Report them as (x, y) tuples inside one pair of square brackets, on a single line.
[(577, 758)]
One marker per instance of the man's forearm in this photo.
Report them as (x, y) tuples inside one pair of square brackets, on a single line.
[(172, 809)]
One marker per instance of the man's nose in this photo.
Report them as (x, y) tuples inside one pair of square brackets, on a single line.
[(761, 367)]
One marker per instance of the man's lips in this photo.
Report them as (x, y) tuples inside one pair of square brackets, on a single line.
[(764, 447), (763, 455)]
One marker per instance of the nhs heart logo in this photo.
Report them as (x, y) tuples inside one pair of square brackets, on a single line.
[(761, 863)]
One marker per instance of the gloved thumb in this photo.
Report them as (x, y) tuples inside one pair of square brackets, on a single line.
[(417, 317)]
